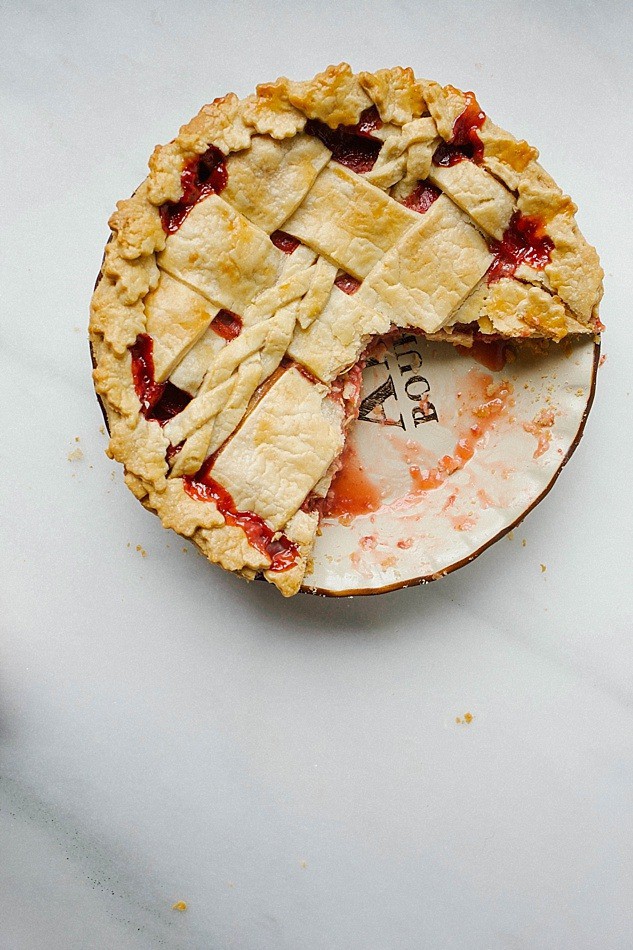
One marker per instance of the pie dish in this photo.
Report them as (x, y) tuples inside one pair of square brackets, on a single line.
[(274, 239)]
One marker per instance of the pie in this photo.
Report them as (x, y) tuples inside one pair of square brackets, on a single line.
[(273, 240)]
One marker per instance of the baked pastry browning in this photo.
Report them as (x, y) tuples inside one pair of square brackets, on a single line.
[(272, 240)]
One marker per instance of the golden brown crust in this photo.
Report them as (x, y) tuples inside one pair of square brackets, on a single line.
[(334, 96), (270, 112), (396, 93), (291, 304)]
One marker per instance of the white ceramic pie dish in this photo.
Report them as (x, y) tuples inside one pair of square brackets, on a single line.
[(419, 532)]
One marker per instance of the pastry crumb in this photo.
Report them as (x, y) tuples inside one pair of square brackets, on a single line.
[(76, 455), (603, 359), (464, 720), (524, 543), (304, 864), (141, 550), (540, 428), (179, 905), (369, 542), (543, 568)]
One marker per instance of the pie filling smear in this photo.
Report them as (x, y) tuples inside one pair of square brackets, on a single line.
[(283, 262)]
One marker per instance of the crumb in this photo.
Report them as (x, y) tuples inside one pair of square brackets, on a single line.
[(76, 455), (539, 427), (369, 542), (304, 864), (355, 559), (603, 359), (184, 550), (141, 550), (484, 499), (463, 522), (543, 568), (524, 542), (102, 430), (77, 439), (230, 883), (450, 501), (179, 905), (375, 414), (510, 535), (464, 720)]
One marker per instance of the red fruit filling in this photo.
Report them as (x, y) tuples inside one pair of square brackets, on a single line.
[(202, 176), (159, 401), (348, 284), (492, 354), (465, 141), (352, 493), (524, 242), (226, 324), (351, 145), (422, 197), (346, 391), (283, 552), (284, 242)]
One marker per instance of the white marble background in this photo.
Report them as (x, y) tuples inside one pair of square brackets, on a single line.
[(293, 770)]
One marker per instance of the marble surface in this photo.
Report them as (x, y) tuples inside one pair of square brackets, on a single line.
[(294, 771)]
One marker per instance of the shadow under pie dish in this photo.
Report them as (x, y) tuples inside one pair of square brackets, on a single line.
[(272, 243)]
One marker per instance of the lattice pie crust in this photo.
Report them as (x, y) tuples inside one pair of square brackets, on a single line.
[(272, 240)]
